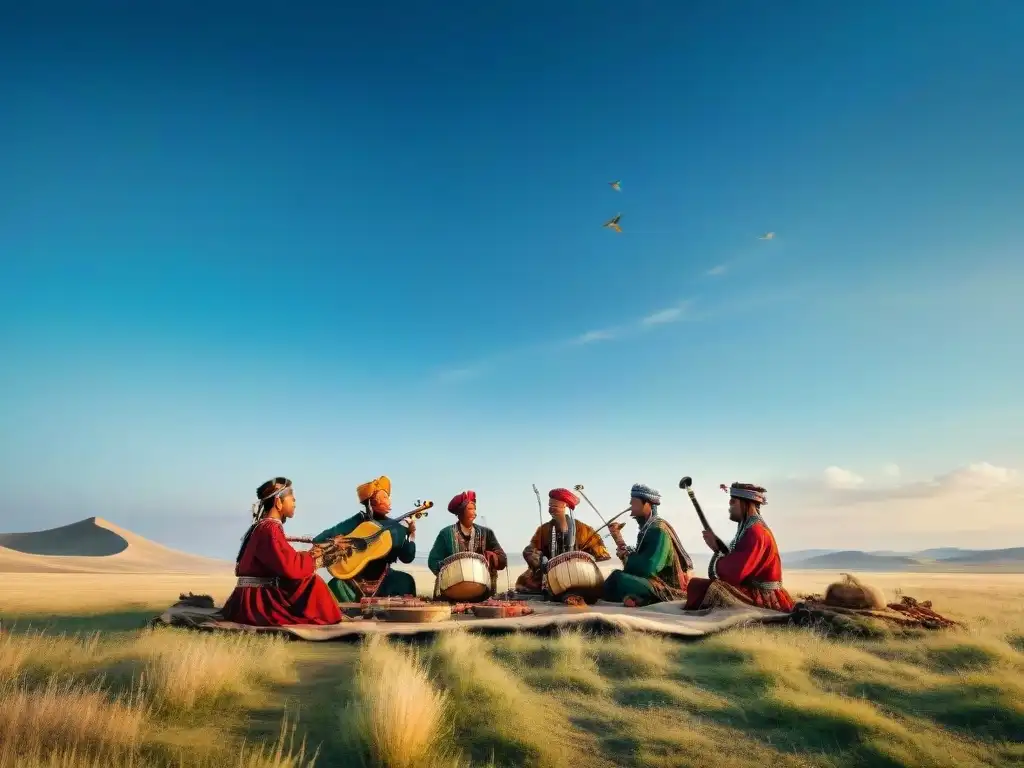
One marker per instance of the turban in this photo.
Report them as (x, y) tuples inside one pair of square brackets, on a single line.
[(747, 491), (645, 492), (460, 500), (366, 491), (565, 495)]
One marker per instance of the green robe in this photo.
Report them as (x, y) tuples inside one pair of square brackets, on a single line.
[(656, 570), (484, 540), (395, 583)]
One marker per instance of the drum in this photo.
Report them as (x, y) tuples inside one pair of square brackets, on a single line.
[(464, 578), (576, 571)]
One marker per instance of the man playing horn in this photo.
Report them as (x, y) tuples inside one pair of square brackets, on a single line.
[(751, 574), (378, 578), (562, 534), (466, 536), (278, 585), (658, 569)]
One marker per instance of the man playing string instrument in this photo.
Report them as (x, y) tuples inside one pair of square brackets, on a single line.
[(466, 536), (658, 568), (378, 578), (562, 534), (751, 574), (278, 585)]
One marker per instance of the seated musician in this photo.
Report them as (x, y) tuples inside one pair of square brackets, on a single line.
[(378, 578), (658, 568), (277, 585), (466, 536), (751, 574), (562, 534)]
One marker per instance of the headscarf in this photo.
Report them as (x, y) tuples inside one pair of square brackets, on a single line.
[(747, 491), (645, 493), (564, 495), (460, 501), (366, 491)]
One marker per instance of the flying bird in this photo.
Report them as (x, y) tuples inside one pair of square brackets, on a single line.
[(616, 185), (613, 223), (767, 236)]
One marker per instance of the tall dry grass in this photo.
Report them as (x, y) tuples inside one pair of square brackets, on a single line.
[(397, 717), (204, 670), (749, 697)]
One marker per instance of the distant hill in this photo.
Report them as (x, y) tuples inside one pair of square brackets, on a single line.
[(940, 559), (1012, 555), (94, 545), (860, 561)]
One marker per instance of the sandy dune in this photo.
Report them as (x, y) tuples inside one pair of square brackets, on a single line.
[(94, 545)]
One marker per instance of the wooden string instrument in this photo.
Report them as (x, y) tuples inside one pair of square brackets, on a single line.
[(369, 541)]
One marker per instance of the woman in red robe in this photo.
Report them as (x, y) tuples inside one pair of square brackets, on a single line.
[(278, 585), (751, 574)]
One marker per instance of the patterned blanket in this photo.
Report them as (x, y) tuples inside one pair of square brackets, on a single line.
[(662, 618)]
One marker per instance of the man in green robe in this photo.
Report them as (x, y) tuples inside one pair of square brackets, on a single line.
[(377, 579), (658, 568), (466, 536)]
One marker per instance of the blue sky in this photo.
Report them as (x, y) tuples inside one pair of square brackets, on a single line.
[(338, 243)]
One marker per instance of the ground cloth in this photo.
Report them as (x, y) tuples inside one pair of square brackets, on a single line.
[(661, 618)]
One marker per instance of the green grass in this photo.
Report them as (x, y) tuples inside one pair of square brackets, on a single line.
[(99, 691)]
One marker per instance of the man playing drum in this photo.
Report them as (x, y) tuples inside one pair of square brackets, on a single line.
[(555, 538), (658, 568), (751, 574), (466, 536), (377, 579)]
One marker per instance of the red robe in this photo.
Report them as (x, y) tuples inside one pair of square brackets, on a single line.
[(301, 598), (750, 574)]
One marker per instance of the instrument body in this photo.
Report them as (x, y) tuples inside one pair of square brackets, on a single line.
[(575, 571), (371, 540), (464, 578)]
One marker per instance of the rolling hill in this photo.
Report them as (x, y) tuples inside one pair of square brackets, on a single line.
[(95, 545)]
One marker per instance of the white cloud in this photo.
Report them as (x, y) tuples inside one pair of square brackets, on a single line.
[(839, 478), (592, 336), (891, 470), (670, 315), (980, 475), (717, 271), (973, 506)]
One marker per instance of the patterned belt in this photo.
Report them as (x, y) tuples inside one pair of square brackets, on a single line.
[(258, 581), (765, 585)]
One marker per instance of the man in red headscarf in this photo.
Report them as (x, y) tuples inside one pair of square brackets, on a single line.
[(751, 572), (562, 534), (466, 536)]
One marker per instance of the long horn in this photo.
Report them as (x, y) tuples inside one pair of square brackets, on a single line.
[(579, 490)]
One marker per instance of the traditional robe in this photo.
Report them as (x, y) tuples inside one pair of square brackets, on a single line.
[(378, 578), (657, 570), (451, 540), (292, 593), (751, 574), (549, 542)]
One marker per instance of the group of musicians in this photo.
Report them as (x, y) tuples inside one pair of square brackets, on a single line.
[(278, 585)]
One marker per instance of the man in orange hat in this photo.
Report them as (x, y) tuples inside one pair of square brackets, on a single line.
[(466, 536), (562, 534), (378, 578)]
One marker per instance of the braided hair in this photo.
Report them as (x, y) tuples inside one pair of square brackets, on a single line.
[(266, 495)]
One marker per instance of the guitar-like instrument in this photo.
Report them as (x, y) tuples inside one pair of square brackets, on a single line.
[(369, 541)]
